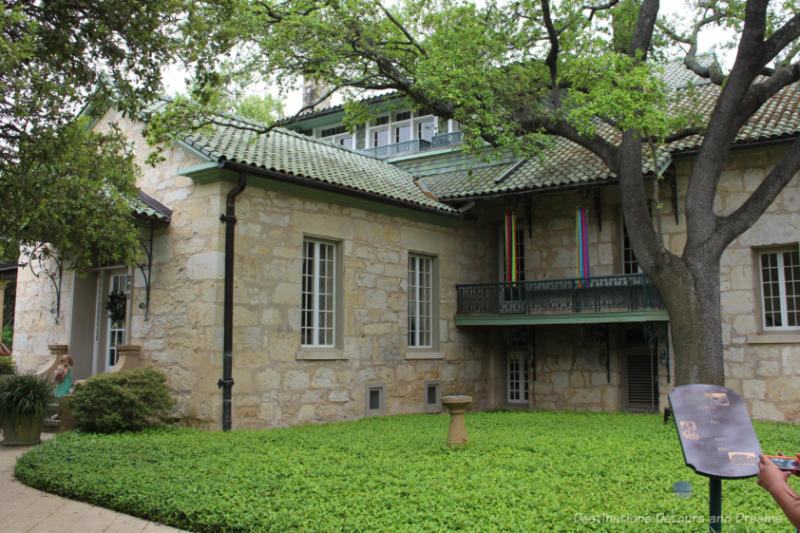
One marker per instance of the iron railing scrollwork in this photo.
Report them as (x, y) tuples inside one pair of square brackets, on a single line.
[(630, 292)]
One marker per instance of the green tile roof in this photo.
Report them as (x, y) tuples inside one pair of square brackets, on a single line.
[(563, 164), (287, 152), (148, 208), (566, 164)]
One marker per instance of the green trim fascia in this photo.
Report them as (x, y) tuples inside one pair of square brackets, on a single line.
[(207, 173), (562, 318), (314, 122), (211, 172)]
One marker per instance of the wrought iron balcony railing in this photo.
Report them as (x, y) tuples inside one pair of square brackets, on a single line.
[(405, 147), (630, 292), (446, 139)]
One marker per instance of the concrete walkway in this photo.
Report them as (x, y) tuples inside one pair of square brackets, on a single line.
[(27, 510)]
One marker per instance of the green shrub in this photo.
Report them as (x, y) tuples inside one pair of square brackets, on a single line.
[(127, 400), (24, 395), (7, 365), (8, 335)]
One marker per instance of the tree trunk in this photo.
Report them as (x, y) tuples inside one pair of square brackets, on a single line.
[(692, 297)]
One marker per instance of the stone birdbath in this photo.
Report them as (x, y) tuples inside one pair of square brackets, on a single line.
[(457, 405)]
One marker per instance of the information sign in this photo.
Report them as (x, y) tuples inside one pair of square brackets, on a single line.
[(716, 434)]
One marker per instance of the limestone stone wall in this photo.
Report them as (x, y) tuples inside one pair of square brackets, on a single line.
[(279, 382), (185, 318), (35, 322), (760, 364), (573, 374)]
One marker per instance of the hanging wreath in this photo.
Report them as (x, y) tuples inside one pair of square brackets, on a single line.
[(116, 305)]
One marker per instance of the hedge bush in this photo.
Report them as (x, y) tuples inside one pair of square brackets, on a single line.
[(521, 472), (7, 366), (122, 401)]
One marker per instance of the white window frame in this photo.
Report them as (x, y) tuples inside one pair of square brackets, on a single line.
[(398, 125), (517, 382), (416, 303), (419, 121), (331, 312), (392, 125), (784, 291)]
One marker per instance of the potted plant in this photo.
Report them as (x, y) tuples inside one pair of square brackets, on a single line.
[(24, 400)]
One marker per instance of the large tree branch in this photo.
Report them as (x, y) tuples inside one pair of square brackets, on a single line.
[(781, 39), (643, 32), (602, 7), (732, 225), (403, 29), (552, 55), (758, 93)]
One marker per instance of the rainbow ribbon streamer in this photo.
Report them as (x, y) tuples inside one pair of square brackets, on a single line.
[(582, 238), (511, 246)]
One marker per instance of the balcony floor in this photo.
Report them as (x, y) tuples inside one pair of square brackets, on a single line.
[(607, 317)]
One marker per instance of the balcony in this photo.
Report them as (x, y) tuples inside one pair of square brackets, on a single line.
[(391, 150), (446, 139), (603, 299)]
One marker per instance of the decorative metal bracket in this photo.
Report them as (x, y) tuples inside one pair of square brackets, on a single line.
[(529, 209), (598, 337), (673, 183), (45, 262), (657, 336), (598, 206), (146, 269)]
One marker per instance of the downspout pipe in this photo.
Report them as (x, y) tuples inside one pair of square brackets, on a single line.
[(226, 382)]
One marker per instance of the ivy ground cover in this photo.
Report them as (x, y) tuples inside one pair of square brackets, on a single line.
[(522, 471)]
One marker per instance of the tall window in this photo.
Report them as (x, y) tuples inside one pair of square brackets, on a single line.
[(420, 301), (118, 294), (629, 263), (518, 391), (780, 289), (318, 293)]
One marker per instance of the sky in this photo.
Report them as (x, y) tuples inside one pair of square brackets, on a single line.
[(174, 76)]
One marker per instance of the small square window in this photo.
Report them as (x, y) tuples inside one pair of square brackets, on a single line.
[(433, 397), (376, 399)]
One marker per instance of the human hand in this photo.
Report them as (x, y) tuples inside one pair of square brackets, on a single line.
[(770, 477)]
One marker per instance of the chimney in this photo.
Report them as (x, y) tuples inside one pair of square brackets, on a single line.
[(312, 90)]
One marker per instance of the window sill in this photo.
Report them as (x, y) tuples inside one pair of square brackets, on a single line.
[(424, 354), (321, 354), (783, 337)]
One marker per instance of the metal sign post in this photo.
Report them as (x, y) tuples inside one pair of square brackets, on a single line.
[(717, 439)]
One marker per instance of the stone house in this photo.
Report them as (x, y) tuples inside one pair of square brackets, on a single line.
[(377, 270)]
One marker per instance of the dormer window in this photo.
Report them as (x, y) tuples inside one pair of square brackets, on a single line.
[(336, 130), (401, 127), (380, 137), (402, 133), (337, 135), (425, 128)]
